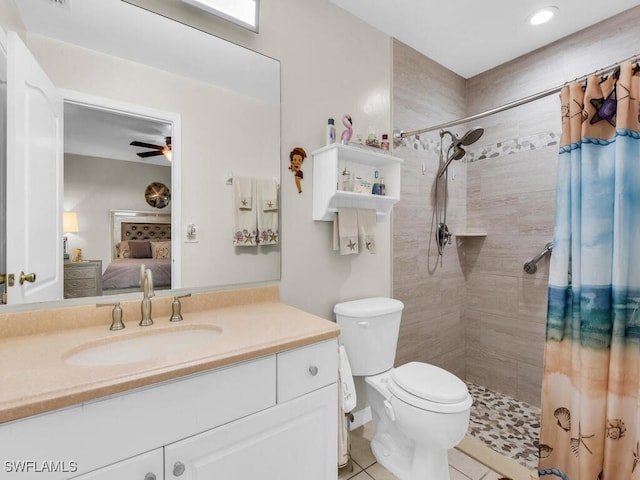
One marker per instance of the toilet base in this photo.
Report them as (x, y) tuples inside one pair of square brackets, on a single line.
[(404, 463)]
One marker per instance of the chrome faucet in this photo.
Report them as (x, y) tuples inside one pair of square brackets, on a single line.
[(146, 284)]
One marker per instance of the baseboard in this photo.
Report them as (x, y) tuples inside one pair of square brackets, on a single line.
[(495, 461), (361, 417)]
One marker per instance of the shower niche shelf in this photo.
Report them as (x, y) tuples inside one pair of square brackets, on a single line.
[(330, 161), (469, 234)]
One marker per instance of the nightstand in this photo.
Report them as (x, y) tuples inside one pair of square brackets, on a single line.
[(83, 279)]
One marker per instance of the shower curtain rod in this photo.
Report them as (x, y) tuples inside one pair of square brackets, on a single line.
[(398, 135)]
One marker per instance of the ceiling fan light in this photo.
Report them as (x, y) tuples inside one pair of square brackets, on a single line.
[(543, 15)]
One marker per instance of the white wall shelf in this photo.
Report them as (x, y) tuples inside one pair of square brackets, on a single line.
[(330, 161)]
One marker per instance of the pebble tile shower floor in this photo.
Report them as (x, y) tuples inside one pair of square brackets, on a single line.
[(506, 425)]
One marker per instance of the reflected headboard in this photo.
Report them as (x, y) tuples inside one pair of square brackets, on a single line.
[(145, 231), (138, 225)]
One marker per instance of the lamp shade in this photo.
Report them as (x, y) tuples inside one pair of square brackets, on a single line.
[(70, 222)]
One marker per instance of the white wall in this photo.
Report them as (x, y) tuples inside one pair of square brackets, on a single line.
[(95, 186)]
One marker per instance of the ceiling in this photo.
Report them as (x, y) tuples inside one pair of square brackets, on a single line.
[(102, 133), (472, 36)]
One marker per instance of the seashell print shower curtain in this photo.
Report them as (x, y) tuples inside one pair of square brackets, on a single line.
[(590, 426)]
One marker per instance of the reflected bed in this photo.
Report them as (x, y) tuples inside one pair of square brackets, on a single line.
[(146, 244)]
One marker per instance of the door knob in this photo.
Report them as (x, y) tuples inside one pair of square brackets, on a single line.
[(29, 277), (150, 476)]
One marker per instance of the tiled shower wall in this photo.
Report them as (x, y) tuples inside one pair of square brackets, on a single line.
[(432, 289), (506, 187)]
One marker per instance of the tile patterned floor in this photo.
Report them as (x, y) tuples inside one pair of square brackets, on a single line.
[(365, 467), (508, 426)]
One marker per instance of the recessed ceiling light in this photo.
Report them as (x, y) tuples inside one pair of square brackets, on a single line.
[(543, 15)]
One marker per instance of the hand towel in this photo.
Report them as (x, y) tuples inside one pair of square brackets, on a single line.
[(344, 446), (348, 230), (267, 209), (367, 230), (348, 386), (245, 228)]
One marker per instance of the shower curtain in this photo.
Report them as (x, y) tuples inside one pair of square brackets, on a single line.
[(590, 425)]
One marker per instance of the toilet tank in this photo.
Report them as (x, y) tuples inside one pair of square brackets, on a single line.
[(369, 332)]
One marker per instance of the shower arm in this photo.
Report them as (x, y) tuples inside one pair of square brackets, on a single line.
[(532, 265)]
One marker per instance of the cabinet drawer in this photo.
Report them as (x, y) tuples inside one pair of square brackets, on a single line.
[(306, 369), (80, 283), (89, 272)]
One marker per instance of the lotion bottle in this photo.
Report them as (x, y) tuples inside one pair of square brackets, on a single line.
[(331, 132)]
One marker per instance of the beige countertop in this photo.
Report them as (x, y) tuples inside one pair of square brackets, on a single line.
[(36, 379)]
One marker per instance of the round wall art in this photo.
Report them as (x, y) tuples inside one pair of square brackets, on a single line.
[(157, 195)]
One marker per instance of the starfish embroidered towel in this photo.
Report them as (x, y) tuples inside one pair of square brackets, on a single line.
[(348, 230), (267, 209), (245, 228), (367, 230)]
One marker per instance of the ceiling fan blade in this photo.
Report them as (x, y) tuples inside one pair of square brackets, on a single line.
[(135, 143), (150, 154)]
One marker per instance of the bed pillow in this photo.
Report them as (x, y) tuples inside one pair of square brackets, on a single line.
[(139, 249), (134, 249), (161, 249)]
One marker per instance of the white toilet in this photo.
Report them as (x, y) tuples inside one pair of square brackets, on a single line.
[(419, 410)]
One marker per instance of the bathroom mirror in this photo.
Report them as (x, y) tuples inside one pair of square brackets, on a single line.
[(226, 100)]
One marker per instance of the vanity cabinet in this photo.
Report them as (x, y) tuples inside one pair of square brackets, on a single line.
[(146, 466), (229, 422), (328, 195), (290, 441)]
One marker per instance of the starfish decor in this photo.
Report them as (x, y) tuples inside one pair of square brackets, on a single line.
[(605, 109)]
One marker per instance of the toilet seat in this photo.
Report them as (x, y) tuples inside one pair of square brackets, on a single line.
[(429, 388)]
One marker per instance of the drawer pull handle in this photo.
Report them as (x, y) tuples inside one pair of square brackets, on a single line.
[(313, 370), (178, 469), (150, 476)]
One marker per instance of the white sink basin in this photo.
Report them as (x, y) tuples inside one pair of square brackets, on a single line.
[(143, 346)]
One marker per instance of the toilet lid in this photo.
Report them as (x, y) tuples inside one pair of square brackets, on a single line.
[(430, 383)]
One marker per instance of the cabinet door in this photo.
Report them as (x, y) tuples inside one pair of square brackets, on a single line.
[(147, 466), (290, 441)]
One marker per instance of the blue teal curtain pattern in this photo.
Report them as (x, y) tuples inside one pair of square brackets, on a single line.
[(590, 426)]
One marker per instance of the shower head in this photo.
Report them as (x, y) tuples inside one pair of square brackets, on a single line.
[(458, 152), (472, 136)]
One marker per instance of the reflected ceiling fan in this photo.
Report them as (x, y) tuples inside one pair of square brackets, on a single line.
[(156, 149)]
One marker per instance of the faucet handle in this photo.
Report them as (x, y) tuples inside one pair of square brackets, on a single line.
[(116, 315), (176, 306)]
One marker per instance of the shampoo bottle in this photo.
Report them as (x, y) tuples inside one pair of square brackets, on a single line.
[(331, 132)]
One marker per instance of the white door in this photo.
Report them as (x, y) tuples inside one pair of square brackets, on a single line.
[(34, 179)]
